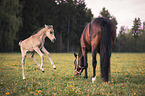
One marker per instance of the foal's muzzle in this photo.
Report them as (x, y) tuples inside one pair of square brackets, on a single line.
[(53, 40)]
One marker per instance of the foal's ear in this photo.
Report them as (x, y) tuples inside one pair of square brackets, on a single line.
[(75, 55), (46, 26)]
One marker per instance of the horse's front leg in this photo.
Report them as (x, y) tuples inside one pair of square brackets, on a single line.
[(84, 53), (94, 62), (42, 57), (48, 54)]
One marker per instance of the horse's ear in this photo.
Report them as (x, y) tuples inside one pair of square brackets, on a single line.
[(51, 26), (45, 26), (75, 55)]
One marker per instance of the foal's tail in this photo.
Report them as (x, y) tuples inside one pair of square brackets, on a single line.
[(20, 43), (105, 50)]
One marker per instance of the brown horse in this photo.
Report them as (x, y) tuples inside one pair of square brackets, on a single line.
[(98, 36)]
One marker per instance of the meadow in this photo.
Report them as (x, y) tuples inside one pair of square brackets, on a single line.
[(127, 76)]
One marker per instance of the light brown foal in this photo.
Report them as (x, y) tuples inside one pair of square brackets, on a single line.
[(35, 43)]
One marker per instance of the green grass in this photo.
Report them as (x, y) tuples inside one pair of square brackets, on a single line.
[(127, 76)]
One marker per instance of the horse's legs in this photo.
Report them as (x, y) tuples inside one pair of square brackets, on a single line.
[(32, 56), (42, 57), (23, 61), (94, 62), (48, 54), (84, 52)]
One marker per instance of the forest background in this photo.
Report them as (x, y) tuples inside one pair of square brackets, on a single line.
[(20, 18)]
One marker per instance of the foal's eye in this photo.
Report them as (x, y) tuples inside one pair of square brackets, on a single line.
[(50, 32)]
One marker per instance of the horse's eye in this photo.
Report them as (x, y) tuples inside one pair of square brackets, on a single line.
[(50, 32)]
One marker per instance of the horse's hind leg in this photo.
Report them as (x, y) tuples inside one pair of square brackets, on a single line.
[(23, 62), (32, 56), (48, 54), (94, 62)]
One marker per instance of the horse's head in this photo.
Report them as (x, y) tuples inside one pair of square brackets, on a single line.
[(50, 33), (78, 64)]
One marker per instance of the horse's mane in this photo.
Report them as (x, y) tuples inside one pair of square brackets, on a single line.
[(37, 30), (80, 52)]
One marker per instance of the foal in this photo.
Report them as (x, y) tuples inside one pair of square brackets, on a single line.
[(35, 43)]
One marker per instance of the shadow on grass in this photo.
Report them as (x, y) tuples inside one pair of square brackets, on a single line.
[(136, 79)]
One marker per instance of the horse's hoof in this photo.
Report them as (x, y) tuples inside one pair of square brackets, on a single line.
[(85, 77), (55, 68), (93, 79), (43, 71)]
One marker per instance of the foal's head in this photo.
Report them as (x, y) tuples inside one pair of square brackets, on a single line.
[(50, 33), (78, 64)]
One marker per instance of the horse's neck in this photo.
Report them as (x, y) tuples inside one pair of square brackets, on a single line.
[(41, 34), (80, 52)]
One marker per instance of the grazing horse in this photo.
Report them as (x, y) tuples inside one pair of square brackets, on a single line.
[(35, 43), (98, 36)]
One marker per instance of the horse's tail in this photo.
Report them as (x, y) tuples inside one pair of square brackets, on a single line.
[(105, 50), (20, 43)]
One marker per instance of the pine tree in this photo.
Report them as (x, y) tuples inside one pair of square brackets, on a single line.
[(136, 28), (105, 13), (10, 21)]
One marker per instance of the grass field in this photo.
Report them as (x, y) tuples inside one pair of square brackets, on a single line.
[(127, 76)]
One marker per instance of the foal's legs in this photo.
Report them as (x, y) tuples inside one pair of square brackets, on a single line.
[(42, 57), (32, 56), (48, 54), (23, 61)]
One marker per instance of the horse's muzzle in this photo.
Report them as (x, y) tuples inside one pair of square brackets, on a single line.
[(76, 74)]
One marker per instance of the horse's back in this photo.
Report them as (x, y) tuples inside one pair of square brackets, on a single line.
[(91, 35), (97, 25)]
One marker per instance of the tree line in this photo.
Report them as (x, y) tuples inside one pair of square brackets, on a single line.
[(128, 40), (20, 18), (131, 40)]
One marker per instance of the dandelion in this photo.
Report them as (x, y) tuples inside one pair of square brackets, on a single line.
[(39, 84), (134, 94), (7, 93), (39, 91)]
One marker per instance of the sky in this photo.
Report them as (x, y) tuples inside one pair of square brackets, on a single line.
[(125, 11)]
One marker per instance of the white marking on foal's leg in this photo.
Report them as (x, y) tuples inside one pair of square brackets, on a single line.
[(42, 69), (23, 71), (52, 63), (93, 79)]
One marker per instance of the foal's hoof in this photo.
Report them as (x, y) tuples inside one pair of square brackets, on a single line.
[(43, 71), (55, 68)]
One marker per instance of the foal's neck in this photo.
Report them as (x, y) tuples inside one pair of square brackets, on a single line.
[(41, 34)]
